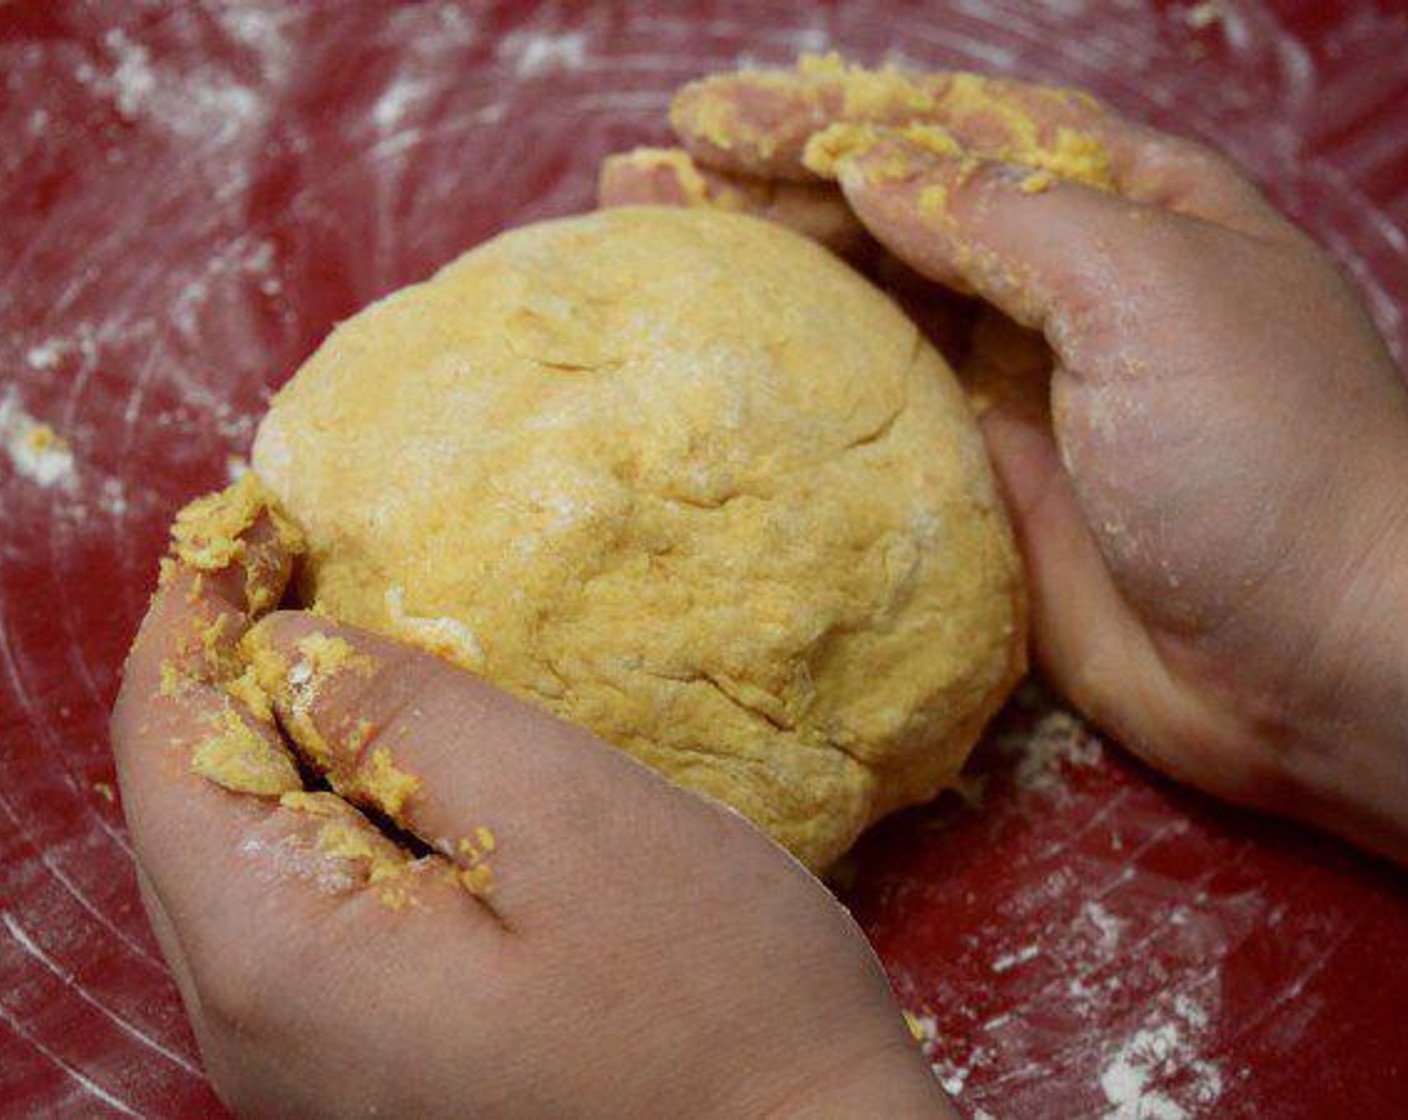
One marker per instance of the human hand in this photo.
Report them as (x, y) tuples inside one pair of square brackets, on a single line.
[(541, 927), (1213, 508)]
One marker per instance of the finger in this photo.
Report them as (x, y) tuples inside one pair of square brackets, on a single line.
[(669, 177), (1047, 256), (232, 556), (761, 122), (204, 772), (788, 123), (525, 805), (1185, 177)]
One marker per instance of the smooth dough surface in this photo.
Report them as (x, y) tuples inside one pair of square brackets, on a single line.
[(683, 478)]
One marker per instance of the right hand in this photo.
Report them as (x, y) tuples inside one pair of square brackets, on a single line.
[(1214, 507)]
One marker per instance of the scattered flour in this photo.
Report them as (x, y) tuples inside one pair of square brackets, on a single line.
[(399, 98), (242, 256), (1203, 15), (1011, 960), (46, 354), (37, 452), (541, 52), (1059, 741), (1108, 927), (954, 1078), (1157, 1073), (207, 105)]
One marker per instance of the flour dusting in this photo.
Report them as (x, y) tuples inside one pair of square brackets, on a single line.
[(46, 354), (1057, 743), (541, 52), (393, 106), (36, 451), (206, 105), (1009, 961), (1158, 1071)]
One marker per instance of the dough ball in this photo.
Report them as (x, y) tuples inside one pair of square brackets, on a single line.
[(685, 479)]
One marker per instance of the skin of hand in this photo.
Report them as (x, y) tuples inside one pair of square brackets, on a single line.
[(1208, 472), (633, 950)]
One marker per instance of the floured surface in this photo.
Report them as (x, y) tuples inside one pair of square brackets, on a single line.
[(193, 197)]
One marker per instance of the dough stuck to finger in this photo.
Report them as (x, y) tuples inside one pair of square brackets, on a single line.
[(805, 122), (680, 477)]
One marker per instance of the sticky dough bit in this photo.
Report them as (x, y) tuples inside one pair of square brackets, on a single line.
[(346, 837), (208, 536), (374, 779), (378, 783), (832, 146), (236, 757), (1054, 151), (478, 876)]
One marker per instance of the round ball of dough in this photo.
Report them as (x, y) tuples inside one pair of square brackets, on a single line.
[(683, 478)]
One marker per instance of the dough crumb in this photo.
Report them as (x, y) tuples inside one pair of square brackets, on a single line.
[(478, 876), (378, 782), (239, 759), (208, 536), (930, 112), (347, 837)]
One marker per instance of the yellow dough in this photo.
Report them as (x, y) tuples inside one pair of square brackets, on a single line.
[(681, 477)]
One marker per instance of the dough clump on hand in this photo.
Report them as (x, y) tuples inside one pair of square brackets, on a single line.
[(680, 477)]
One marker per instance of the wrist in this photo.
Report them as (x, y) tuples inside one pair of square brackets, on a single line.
[(1347, 771), (890, 1079)]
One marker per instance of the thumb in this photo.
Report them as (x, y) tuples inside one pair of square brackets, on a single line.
[(1089, 641)]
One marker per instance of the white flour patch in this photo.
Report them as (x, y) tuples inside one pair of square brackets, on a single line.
[(401, 96), (112, 497), (206, 106), (811, 40), (246, 256), (264, 32), (1009, 961), (1158, 1072), (1107, 926), (1058, 742), (46, 354), (37, 452), (953, 1075), (541, 52), (133, 79)]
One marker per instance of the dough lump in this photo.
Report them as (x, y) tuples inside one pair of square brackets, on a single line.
[(681, 477)]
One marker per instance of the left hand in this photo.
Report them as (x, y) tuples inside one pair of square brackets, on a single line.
[(544, 928)]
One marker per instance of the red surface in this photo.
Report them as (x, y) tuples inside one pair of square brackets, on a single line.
[(193, 193)]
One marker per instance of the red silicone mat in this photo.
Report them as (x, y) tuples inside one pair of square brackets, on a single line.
[(191, 194)]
